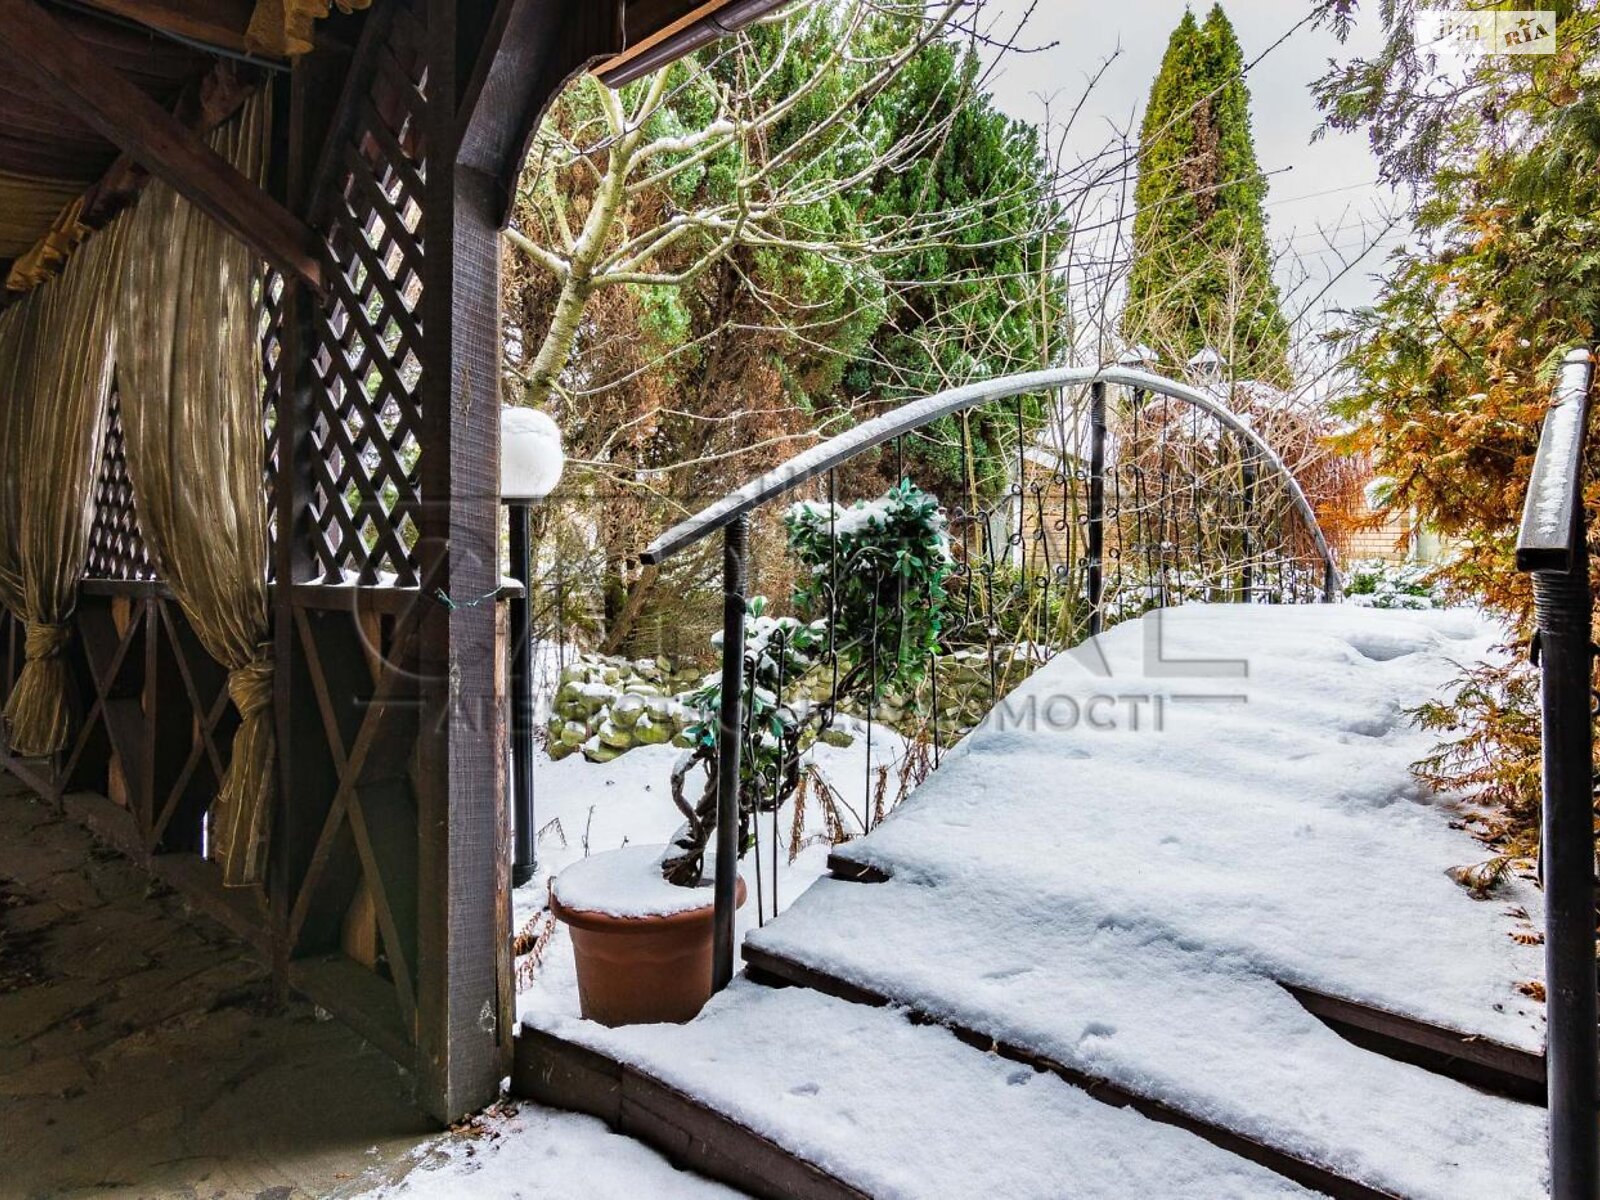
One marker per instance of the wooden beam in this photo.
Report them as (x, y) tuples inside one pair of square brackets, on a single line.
[(204, 105), (663, 31), (464, 1012), (67, 69), (530, 51), (219, 23), (1482, 1062)]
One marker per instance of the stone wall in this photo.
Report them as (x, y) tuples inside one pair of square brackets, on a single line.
[(606, 706), (603, 706)]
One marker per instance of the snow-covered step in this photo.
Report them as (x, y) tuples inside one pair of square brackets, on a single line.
[(1271, 814), (791, 1093), (1175, 1025)]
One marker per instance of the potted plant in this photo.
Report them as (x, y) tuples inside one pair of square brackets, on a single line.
[(870, 603)]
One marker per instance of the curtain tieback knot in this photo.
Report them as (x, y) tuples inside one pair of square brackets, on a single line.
[(46, 641), (250, 687)]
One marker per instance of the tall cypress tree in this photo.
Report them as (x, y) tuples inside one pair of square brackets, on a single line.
[(1201, 272)]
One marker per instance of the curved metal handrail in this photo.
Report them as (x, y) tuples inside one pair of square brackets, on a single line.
[(908, 418)]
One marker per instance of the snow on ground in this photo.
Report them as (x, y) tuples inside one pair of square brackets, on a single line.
[(1124, 900), (906, 1112), (538, 1154), (1273, 817), (1116, 871), (584, 808)]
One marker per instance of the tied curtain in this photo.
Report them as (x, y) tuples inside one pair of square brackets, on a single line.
[(189, 380), (284, 27), (56, 349)]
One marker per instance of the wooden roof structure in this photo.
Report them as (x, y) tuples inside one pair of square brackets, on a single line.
[(96, 94)]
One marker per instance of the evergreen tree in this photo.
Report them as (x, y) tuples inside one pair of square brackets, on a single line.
[(766, 243), (981, 301), (1201, 272)]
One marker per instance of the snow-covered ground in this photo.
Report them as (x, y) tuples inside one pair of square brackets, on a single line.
[(1127, 900), (538, 1154), (1117, 871), (584, 808)]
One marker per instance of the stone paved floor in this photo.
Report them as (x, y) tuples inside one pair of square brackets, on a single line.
[(141, 1054)]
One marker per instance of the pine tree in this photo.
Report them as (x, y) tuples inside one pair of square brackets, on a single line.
[(1201, 272), (978, 302)]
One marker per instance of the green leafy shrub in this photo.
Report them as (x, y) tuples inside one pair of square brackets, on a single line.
[(1373, 583), (871, 597)]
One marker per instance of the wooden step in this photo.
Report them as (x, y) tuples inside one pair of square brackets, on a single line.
[(691, 1134), (853, 872), (1479, 1061), (778, 971), (1468, 1058)]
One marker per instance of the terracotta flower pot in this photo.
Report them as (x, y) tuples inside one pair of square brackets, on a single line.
[(637, 967)]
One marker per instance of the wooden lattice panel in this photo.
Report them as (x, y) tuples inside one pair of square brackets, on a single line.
[(116, 548), (270, 307), (366, 426)]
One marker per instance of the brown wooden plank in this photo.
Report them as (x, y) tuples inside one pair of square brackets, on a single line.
[(69, 70), (464, 1034), (306, 776), (320, 155), (182, 800), (127, 589), (777, 970), (320, 866), (203, 105), (116, 690), (391, 689), (220, 23), (1479, 1061), (844, 869), (386, 838), (690, 1134), (361, 999), (662, 31), (531, 49)]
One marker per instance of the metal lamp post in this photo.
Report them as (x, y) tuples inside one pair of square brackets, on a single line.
[(531, 463)]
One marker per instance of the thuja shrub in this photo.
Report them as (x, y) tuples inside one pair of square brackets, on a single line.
[(870, 601)]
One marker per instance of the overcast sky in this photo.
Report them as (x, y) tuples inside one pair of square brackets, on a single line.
[(1331, 182)]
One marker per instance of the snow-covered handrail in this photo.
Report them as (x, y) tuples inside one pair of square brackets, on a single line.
[(830, 454), (1544, 542), (1553, 547)]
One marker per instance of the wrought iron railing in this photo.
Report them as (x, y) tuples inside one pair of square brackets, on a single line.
[(1553, 547), (1109, 492)]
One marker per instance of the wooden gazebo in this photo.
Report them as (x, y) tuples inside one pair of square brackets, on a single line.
[(398, 133)]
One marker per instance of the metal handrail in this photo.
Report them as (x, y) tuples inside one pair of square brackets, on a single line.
[(1553, 546), (731, 515), (908, 418), (1545, 540)]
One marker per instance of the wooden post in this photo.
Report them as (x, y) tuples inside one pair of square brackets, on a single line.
[(464, 927), (303, 110)]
